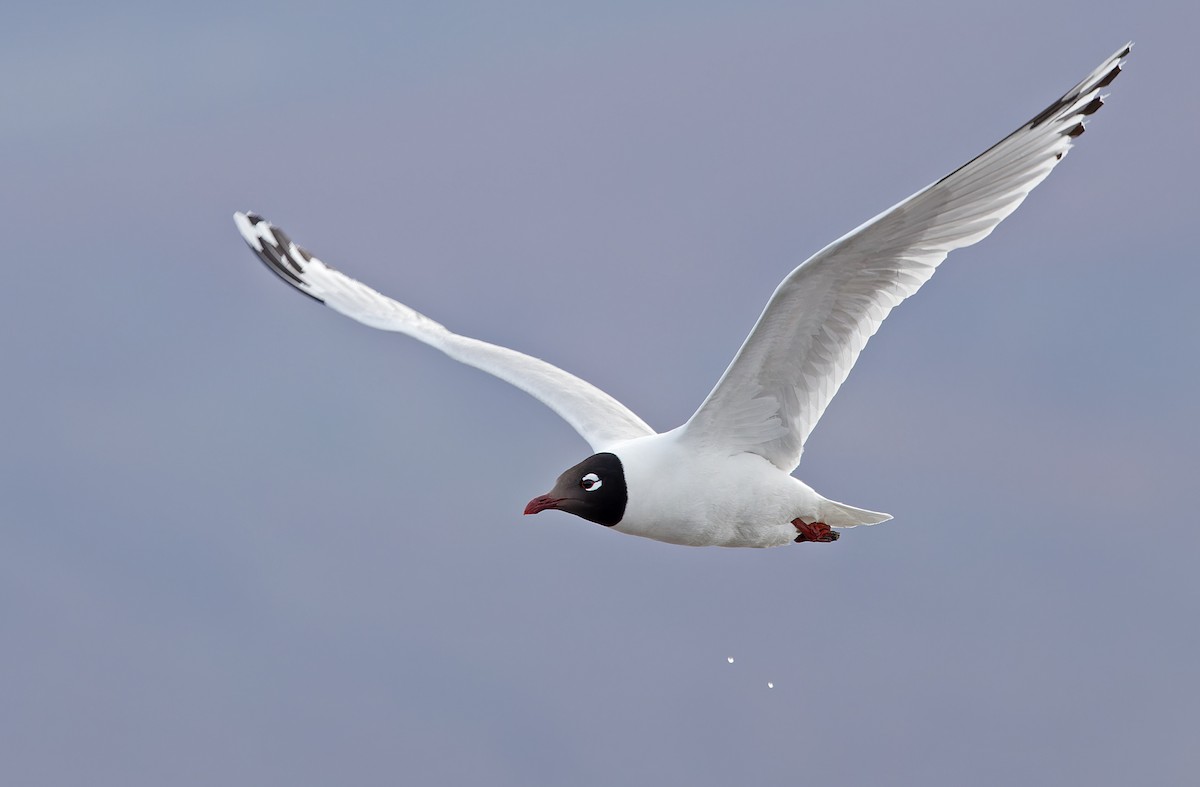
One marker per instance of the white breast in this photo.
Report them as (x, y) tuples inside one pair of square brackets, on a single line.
[(681, 496)]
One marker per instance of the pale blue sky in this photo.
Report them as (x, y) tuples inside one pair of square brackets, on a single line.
[(246, 541)]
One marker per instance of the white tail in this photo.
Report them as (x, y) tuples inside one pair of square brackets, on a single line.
[(837, 514)]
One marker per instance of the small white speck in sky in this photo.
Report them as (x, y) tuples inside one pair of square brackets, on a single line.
[(770, 685), (730, 659)]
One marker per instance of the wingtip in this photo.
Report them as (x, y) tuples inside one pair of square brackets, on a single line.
[(245, 222), (1115, 65), (248, 219), (275, 250)]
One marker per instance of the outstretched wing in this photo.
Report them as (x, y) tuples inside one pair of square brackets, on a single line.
[(598, 417), (820, 317)]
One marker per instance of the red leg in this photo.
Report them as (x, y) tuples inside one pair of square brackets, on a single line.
[(814, 531)]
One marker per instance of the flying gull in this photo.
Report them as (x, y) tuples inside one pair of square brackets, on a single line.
[(724, 477)]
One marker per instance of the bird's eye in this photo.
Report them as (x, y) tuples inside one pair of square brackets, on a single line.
[(591, 482)]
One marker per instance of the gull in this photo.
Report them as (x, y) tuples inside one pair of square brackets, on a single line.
[(724, 478)]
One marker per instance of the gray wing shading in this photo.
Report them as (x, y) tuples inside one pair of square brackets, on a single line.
[(820, 317), (599, 418)]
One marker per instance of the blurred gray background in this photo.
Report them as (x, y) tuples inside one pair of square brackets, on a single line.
[(246, 541)]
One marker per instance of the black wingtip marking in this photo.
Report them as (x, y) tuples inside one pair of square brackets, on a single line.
[(274, 256), (1058, 106), (274, 260), (1111, 75), (286, 245), (1047, 113), (1068, 99), (281, 236)]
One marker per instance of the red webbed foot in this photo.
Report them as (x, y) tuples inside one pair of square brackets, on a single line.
[(814, 531)]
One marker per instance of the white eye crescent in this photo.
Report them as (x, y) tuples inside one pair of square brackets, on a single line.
[(591, 482)]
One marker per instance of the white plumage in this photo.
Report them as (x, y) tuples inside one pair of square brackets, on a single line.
[(723, 478)]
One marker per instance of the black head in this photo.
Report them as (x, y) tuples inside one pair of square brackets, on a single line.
[(593, 489)]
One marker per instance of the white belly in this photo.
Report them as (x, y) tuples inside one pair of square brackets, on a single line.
[(682, 497)]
